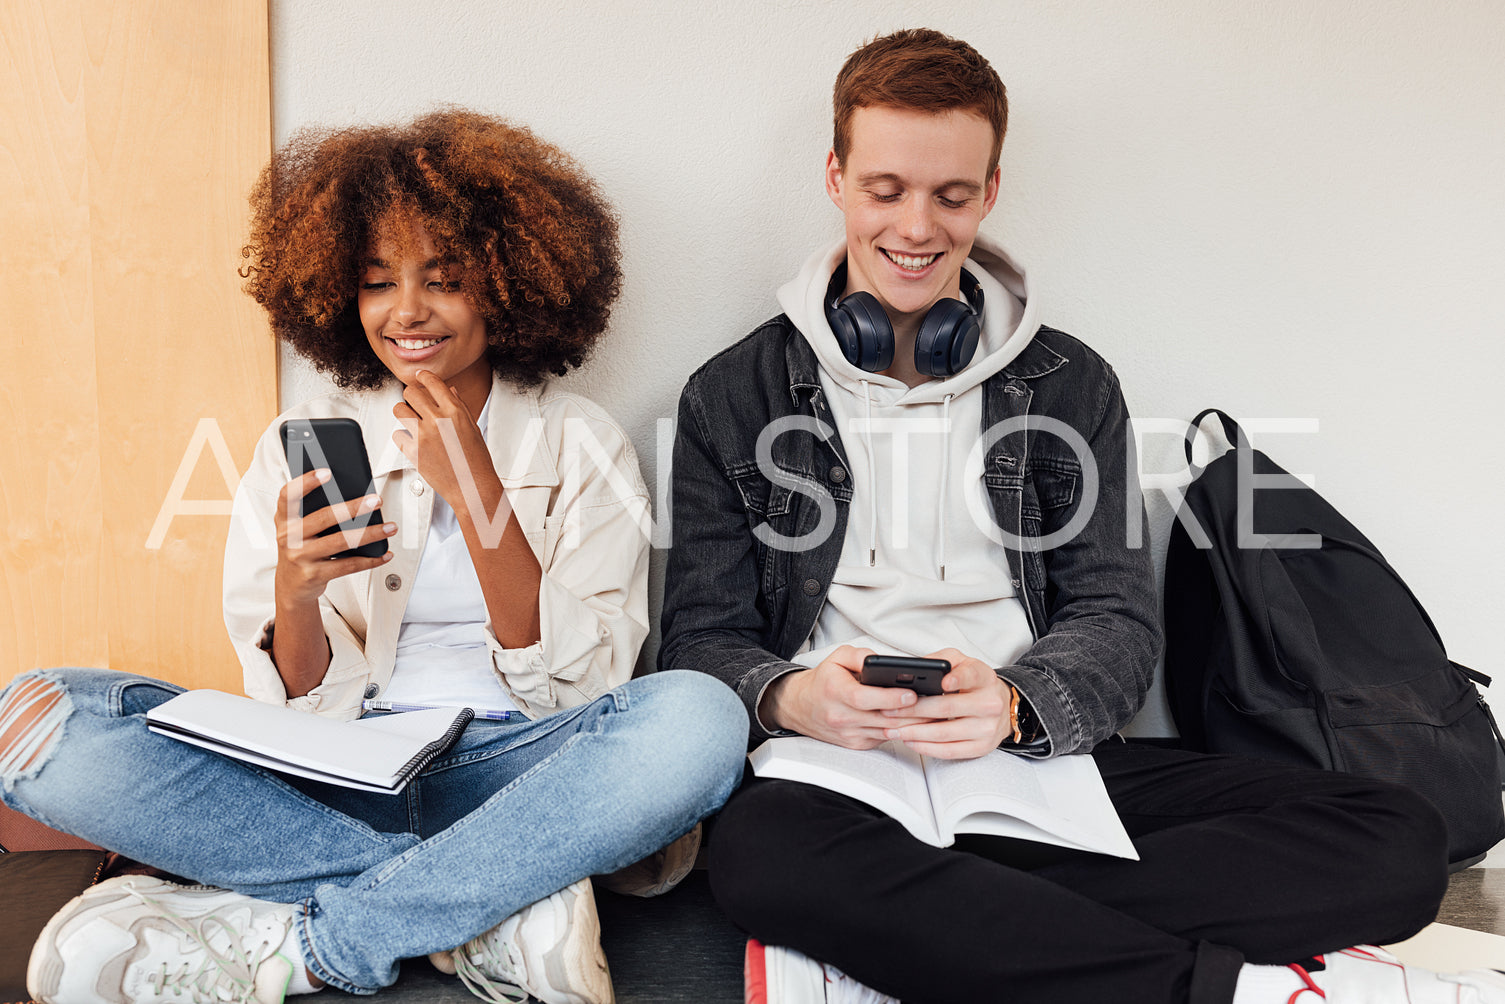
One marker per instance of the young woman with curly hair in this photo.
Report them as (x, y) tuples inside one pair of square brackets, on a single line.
[(439, 272)]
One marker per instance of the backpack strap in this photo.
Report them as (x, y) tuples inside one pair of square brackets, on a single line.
[(1473, 674), (1231, 430), (1483, 705)]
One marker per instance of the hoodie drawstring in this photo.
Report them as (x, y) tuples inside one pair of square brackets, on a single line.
[(872, 495), (940, 534)]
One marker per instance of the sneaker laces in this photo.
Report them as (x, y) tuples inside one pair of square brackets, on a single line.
[(498, 955), (843, 989), (227, 977), (1306, 977)]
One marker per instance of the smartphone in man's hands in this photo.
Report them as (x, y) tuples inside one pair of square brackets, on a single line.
[(336, 444), (923, 676)]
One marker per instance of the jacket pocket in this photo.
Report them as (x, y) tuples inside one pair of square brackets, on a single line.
[(553, 529), (1051, 485), (1055, 480), (772, 516), (761, 498)]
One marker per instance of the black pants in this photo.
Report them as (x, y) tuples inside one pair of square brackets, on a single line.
[(1240, 860)]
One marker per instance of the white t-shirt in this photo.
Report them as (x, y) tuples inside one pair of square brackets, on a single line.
[(442, 656)]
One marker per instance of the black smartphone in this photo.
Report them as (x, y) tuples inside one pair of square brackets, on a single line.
[(923, 676), (335, 443)]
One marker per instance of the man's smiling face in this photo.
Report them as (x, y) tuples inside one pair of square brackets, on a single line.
[(914, 189)]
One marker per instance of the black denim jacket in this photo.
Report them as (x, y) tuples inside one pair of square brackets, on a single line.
[(738, 603)]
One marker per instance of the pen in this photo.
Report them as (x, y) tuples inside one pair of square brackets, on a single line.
[(491, 716)]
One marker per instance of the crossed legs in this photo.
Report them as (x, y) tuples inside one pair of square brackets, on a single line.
[(1240, 861), (510, 815)]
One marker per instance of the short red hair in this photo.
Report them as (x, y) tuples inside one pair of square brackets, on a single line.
[(924, 70)]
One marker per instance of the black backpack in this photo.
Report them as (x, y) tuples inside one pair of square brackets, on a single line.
[(1318, 656)]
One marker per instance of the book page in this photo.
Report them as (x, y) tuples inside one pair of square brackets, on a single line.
[(1443, 948), (999, 775), (1057, 801), (889, 778)]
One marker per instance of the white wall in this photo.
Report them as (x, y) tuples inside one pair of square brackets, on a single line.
[(1286, 208)]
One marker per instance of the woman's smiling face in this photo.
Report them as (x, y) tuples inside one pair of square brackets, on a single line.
[(416, 317)]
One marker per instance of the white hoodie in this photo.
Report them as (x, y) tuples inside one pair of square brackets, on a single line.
[(917, 571)]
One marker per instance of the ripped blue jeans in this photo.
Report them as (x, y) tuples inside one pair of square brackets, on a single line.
[(514, 812)]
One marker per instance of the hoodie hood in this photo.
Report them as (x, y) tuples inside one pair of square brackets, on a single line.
[(914, 553), (1009, 321)]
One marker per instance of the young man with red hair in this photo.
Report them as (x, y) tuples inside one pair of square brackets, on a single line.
[(832, 498)]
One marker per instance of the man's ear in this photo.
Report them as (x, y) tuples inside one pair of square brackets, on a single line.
[(990, 193), (833, 180)]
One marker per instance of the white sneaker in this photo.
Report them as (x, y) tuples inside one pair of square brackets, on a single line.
[(1369, 975), (773, 974), (140, 940), (658, 872), (550, 949)]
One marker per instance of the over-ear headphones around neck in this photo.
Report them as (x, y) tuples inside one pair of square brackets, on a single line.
[(946, 341)]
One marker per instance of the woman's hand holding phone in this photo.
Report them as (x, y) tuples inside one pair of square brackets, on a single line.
[(306, 561)]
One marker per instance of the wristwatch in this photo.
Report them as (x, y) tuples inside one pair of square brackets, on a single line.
[(1024, 725), (1027, 727)]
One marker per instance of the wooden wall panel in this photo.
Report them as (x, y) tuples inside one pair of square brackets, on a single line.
[(130, 134), (50, 496)]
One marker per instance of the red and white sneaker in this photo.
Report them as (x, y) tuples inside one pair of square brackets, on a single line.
[(773, 974), (1367, 975)]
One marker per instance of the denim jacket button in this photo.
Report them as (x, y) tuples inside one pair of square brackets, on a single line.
[(838, 475), (1015, 582), (811, 587), (394, 582), (372, 690)]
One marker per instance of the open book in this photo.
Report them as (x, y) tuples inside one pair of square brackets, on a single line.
[(1059, 801), (372, 754)]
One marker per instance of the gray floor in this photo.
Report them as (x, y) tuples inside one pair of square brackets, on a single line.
[(679, 949), (675, 949), (1476, 900)]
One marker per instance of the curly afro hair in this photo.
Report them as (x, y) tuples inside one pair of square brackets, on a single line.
[(528, 236)]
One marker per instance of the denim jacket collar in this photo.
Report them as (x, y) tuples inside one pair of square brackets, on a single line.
[(1035, 361), (804, 370)]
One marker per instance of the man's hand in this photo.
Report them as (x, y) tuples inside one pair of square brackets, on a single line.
[(828, 703), (970, 718), (439, 435)]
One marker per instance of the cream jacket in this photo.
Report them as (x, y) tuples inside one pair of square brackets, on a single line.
[(572, 478)]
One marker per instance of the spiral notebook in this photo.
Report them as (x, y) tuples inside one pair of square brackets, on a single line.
[(380, 753)]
